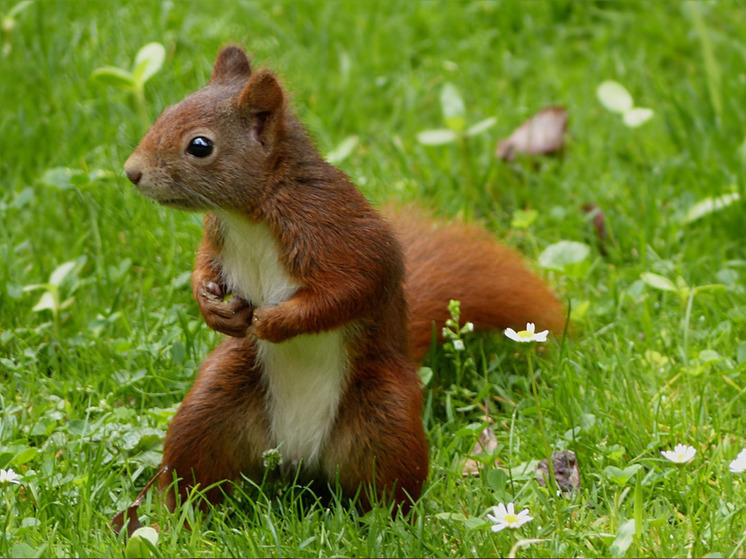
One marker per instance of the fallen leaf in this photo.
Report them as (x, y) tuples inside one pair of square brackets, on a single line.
[(129, 516), (543, 133), (486, 444), (566, 471)]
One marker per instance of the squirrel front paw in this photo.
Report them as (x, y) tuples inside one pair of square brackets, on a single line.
[(232, 317), (267, 324)]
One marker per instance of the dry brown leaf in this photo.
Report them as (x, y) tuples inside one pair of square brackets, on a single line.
[(566, 471), (129, 516), (543, 133), (486, 444)]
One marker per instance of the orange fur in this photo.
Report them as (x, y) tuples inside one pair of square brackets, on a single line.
[(463, 262)]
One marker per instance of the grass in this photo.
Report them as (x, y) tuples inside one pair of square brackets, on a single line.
[(89, 382)]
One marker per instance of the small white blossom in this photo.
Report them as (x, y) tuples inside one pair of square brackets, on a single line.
[(458, 345), (681, 454), (9, 476), (507, 518), (527, 335), (738, 466), (272, 459), (468, 327)]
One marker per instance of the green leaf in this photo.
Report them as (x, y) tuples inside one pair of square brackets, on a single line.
[(437, 137), (58, 177), (454, 111), (142, 543), (343, 150), (637, 116), (523, 219), (621, 476), (614, 97), (709, 355), (579, 309), (624, 538), (659, 282), (25, 456), (425, 374), (497, 480), (710, 205), (78, 427), (115, 77), (61, 272), (481, 126), (22, 550), (474, 523), (46, 302), (148, 61), (564, 254)]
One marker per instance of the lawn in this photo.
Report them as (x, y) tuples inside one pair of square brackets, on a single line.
[(100, 338)]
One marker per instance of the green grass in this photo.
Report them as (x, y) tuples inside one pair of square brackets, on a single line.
[(87, 393)]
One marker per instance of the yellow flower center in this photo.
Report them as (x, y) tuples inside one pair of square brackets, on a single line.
[(510, 518), (524, 334)]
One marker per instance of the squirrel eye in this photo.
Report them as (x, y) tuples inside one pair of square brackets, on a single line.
[(200, 147)]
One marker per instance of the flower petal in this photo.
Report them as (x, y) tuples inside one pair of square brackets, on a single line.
[(512, 334), (498, 527), (541, 336)]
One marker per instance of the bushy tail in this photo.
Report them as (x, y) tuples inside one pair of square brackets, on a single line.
[(463, 262)]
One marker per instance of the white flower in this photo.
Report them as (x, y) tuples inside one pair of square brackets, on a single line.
[(458, 345), (9, 476), (681, 454), (738, 466), (468, 327), (527, 335), (507, 518)]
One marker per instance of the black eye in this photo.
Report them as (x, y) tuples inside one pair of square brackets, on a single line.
[(200, 147)]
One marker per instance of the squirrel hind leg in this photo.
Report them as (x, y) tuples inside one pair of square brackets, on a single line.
[(380, 451), (220, 429), (491, 281)]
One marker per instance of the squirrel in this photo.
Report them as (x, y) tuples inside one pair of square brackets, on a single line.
[(328, 306)]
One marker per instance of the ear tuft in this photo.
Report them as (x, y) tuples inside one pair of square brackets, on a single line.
[(262, 94), (232, 63)]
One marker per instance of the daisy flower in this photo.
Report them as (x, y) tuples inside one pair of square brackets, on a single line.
[(527, 335), (9, 476), (507, 518), (738, 466), (681, 454)]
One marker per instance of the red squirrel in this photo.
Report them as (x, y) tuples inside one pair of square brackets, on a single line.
[(331, 304)]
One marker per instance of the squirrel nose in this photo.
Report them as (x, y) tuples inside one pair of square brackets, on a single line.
[(133, 172)]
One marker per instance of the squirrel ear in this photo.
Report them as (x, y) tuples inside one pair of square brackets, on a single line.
[(231, 63), (262, 94), (262, 97)]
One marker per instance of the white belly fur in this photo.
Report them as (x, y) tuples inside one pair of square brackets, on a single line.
[(305, 375)]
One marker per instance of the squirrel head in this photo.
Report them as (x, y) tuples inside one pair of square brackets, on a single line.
[(217, 148)]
